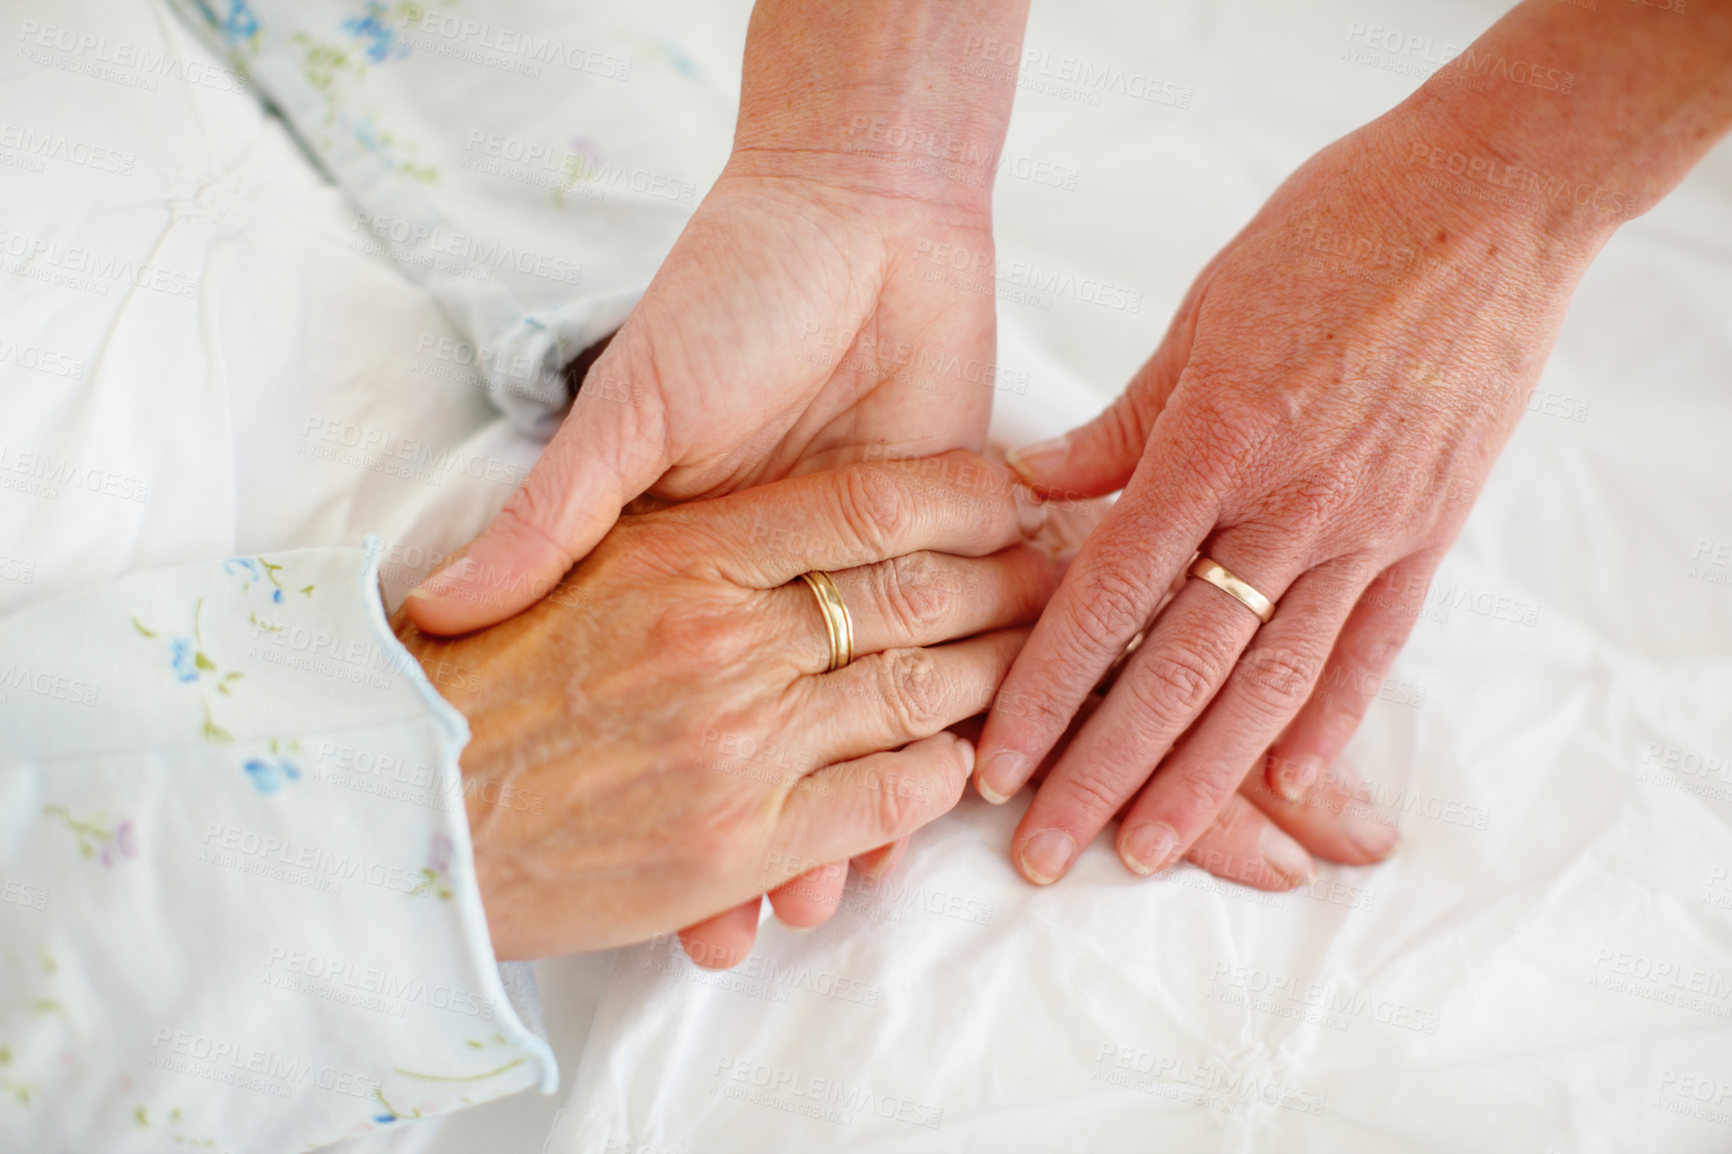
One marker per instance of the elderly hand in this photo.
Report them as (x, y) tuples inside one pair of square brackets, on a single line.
[(668, 704), (1322, 465), (814, 307), (1322, 410)]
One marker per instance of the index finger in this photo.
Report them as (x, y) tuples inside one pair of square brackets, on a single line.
[(859, 514), (1109, 593)]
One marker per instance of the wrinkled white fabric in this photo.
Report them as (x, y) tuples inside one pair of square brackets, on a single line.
[(519, 160), (240, 909)]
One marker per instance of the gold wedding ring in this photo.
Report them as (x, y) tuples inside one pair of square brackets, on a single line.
[(1218, 576), (837, 624)]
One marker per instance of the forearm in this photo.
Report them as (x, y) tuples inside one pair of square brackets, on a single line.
[(908, 97), (1579, 118)]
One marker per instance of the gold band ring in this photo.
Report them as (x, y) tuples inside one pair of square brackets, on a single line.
[(838, 626), (1218, 576)]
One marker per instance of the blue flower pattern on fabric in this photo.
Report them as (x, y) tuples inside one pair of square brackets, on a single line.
[(192, 665), (183, 657), (270, 776), (382, 42), (242, 23)]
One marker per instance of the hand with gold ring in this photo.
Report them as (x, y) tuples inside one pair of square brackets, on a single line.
[(669, 723), (1323, 409)]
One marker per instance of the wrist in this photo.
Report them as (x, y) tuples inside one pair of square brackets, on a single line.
[(907, 98), (1570, 121)]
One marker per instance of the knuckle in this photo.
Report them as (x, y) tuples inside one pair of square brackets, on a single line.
[(1374, 653), (1027, 705), (875, 507), (1201, 795), (914, 690), (913, 593), (896, 811), (1094, 792), (699, 640), (1224, 433), (1173, 684), (1110, 607), (1309, 504), (1277, 679)]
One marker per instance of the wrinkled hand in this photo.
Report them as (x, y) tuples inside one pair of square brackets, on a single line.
[(1329, 398), (668, 711), (832, 297), (792, 327)]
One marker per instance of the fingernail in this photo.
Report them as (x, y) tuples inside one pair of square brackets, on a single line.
[(1295, 775), (1033, 461), (1031, 511), (1285, 856), (875, 869), (1376, 839), (1147, 848), (444, 581), (873, 865), (1001, 776), (792, 929), (1046, 856)]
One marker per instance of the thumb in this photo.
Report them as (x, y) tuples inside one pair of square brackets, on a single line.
[(607, 452), (1089, 461), (1099, 457)]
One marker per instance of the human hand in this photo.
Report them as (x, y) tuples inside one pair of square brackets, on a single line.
[(1318, 426), (800, 320), (668, 705)]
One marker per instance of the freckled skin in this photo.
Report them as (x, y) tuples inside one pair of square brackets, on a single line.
[(658, 740), (1325, 406)]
